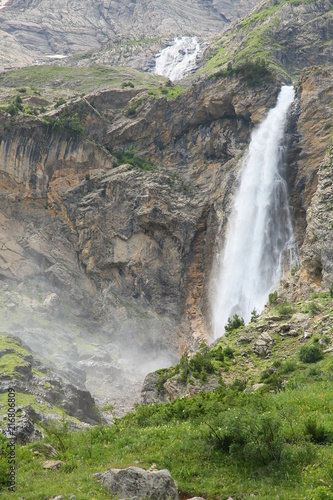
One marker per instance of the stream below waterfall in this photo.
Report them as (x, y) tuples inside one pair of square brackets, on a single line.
[(259, 237)]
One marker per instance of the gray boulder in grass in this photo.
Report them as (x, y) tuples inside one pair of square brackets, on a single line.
[(135, 483)]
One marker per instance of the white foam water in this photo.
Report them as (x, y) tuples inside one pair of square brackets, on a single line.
[(3, 3), (178, 59), (260, 231)]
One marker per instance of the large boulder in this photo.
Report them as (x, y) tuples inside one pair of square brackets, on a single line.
[(135, 483)]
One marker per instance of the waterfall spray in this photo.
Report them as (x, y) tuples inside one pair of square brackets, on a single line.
[(260, 231), (179, 59)]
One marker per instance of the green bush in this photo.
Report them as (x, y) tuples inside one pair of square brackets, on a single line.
[(317, 432), (238, 385), (15, 106), (249, 436), (254, 72), (272, 298), (163, 376), (313, 308), (311, 354), (218, 354), (184, 367), (254, 315), (288, 367), (59, 102), (201, 364), (131, 111), (229, 352), (66, 120), (127, 84), (131, 157), (234, 323)]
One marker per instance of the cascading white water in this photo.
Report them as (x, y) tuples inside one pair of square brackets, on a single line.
[(260, 231), (179, 59)]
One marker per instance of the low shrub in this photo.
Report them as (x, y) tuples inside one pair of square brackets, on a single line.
[(131, 157), (69, 121), (317, 432), (311, 354), (272, 298), (285, 309), (229, 352)]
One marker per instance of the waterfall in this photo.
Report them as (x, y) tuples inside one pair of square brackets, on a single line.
[(260, 233), (179, 59)]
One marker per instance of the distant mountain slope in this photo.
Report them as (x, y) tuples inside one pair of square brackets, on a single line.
[(45, 27), (289, 35)]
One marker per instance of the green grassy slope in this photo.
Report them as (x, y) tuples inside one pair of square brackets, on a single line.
[(280, 38), (273, 442)]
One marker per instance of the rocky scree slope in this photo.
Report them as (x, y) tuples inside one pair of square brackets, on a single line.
[(262, 356)]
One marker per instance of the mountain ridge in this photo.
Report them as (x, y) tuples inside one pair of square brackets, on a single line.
[(43, 28)]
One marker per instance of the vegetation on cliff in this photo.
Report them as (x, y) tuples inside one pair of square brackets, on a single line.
[(283, 34)]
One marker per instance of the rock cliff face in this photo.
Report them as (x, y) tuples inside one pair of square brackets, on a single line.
[(130, 248), (310, 171), (144, 236)]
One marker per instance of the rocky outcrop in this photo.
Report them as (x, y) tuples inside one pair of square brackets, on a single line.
[(23, 373), (154, 392), (262, 345), (31, 154), (24, 430), (135, 483)]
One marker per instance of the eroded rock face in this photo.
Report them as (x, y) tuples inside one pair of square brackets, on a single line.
[(24, 430), (310, 181), (132, 248), (32, 154)]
